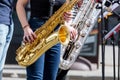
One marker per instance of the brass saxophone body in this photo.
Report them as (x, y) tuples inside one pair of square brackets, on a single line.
[(28, 53)]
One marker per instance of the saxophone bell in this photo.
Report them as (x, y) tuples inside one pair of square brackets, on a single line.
[(64, 35)]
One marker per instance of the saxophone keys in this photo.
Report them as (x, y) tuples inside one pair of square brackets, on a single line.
[(19, 58), (28, 57), (78, 44), (88, 22), (83, 32)]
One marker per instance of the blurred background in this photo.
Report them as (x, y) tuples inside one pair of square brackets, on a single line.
[(87, 66)]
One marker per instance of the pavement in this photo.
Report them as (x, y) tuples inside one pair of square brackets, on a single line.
[(16, 72)]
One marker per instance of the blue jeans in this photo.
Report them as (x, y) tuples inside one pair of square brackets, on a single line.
[(46, 67), (6, 33)]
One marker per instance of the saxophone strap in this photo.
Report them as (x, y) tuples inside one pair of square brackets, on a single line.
[(52, 3)]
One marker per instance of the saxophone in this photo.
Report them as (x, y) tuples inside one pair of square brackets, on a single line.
[(83, 22), (28, 53)]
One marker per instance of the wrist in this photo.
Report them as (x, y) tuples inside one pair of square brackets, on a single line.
[(26, 26)]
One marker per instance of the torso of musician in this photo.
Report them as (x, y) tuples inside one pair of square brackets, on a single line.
[(42, 7)]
